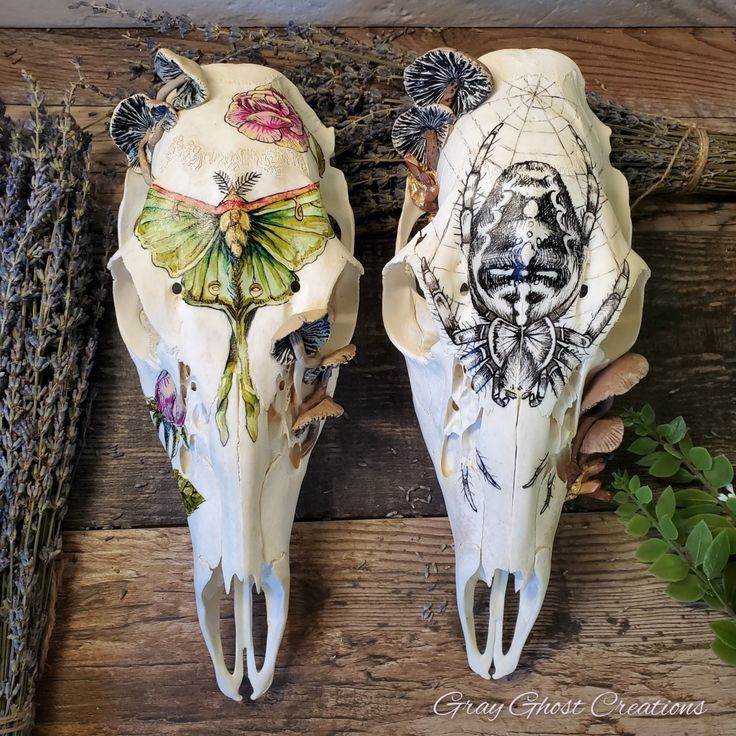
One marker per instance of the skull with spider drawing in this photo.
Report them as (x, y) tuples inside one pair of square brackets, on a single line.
[(517, 291)]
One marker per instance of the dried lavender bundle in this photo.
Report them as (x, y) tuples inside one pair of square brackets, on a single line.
[(356, 85), (51, 295), (665, 155)]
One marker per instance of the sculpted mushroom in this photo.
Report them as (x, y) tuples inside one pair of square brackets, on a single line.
[(448, 77), (420, 132), (137, 119), (418, 135), (185, 84), (605, 435), (597, 433), (616, 379)]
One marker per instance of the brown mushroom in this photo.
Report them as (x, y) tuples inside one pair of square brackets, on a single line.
[(326, 409), (604, 435), (339, 357), (615, 379), (582, 480), (423, 187)]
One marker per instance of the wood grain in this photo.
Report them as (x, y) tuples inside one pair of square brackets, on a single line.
[(565, 13), (127, 658), (673, 71)]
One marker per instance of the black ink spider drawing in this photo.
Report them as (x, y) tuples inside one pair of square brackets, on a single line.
[(526, 247)]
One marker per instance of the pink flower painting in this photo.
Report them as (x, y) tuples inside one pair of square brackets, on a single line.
[(264, 114)]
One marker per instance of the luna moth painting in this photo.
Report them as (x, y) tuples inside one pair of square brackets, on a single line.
[(520, 289), (237, 300), (236, 256)]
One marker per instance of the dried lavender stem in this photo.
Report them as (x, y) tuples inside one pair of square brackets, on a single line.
[(48, 335)]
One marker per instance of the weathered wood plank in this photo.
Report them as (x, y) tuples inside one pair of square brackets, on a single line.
[(127, 658), (363, 465), (410, 13), (679, 72)]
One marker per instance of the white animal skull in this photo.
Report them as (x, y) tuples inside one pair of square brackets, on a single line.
[(237, 302), (520, 288)]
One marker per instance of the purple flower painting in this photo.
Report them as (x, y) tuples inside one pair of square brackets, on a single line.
[(169, 402), (168, 410)]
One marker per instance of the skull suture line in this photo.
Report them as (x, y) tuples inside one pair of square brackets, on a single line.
[(236, 301), (522, 286)]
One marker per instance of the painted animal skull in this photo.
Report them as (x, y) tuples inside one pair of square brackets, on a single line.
[(518, 290), (237, 301)]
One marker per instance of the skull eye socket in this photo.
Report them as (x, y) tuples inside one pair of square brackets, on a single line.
[(534, 297)]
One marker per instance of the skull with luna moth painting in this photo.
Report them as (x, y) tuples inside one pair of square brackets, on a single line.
[(237, 300), (520, 287)]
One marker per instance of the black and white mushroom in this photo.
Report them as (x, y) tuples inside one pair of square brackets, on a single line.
[(184, 82), (420, 132), (137, 120), (448, 77)]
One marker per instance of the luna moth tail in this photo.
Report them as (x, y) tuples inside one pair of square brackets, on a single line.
[(238, 361)]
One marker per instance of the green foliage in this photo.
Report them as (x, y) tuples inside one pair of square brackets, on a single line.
[(692, 518)]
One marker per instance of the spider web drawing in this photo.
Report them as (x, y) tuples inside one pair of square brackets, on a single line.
[(539, 124)]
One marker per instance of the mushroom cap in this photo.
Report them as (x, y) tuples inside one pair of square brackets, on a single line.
[(615, 379), (314, 334), (339, 357), (193, 91), (448, 76), (326, 409), (408, 132), (604, 435), (135, 116)]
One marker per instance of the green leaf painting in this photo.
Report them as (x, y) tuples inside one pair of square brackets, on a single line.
[(191, 497)]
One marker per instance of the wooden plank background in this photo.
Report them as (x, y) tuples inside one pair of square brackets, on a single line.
[(562, 13), (358, 655), (127, 657)]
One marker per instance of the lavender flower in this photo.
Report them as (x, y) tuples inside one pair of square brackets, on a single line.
[(52, 286)]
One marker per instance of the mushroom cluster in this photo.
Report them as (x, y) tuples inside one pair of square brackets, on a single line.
[(443, 84), (138, 122), (598, 432)]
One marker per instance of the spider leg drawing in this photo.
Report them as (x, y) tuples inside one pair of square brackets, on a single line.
[(525, 245)]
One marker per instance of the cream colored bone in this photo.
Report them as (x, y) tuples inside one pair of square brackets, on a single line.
[(502, 467), (240, 532)]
